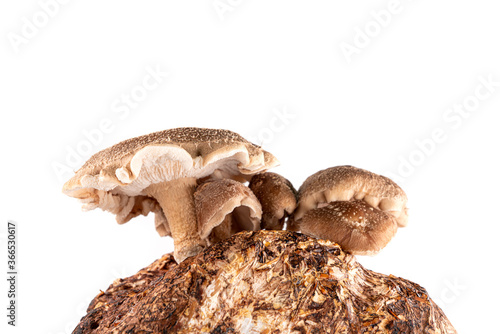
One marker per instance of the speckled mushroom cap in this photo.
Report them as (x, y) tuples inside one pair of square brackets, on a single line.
[(225, 207), (356, 226), (114, 179), (277, 196), (345, 183)]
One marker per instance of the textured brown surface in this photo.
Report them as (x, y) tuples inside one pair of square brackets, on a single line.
[(195, 141), (264, 282), (349, 177), (357, 227), (123, 288), (215, 200), (345, 183), (181, 136), (277, 196)]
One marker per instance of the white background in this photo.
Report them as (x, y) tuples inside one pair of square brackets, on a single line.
[(387, 106)]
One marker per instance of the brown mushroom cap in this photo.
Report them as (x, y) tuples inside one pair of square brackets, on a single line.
[(356, 226), (277, 196), (131, 165), (225, 207), (345, 183), (128, 177)]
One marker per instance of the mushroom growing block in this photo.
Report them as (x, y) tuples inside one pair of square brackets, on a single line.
[(264, 282), (159, 173)]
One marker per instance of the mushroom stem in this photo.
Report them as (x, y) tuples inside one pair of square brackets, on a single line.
[(176, 200)]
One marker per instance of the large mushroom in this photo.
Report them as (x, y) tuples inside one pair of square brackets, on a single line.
[(356, 208), (277, 196), (225, 207), (159, 173)]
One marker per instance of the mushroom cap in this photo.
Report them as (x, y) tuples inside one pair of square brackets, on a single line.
[(216, 200), (277, 196), (344, 183), (356, 226), (114, 179)]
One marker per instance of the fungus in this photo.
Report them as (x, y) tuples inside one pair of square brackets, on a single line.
[(277, 196), (357, 227), (225, 207), (356, 208), (345, 183), (159, 173)]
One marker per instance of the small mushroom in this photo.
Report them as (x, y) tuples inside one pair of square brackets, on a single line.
[(159, 173), (277, 196), (356, 208), (345, 183), (357, 227), (225, 207)]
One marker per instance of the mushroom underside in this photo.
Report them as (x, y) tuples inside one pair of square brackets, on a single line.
[(240, 219), (393, 206)]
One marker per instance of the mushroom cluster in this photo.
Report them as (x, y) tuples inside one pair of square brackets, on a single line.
[(194, 181)]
